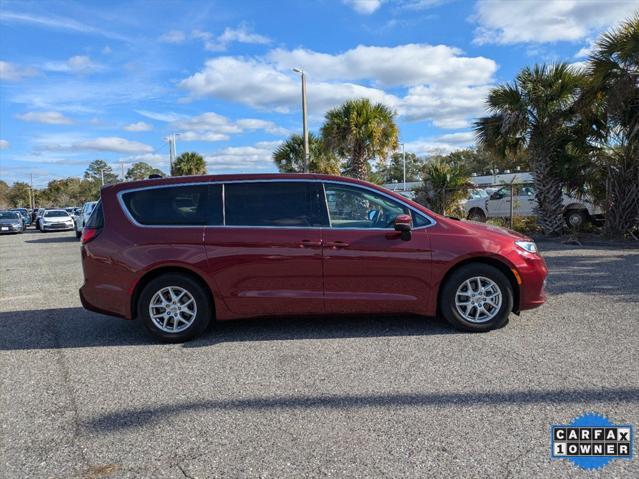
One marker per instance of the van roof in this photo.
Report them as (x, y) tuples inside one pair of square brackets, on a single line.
[(220, 178)]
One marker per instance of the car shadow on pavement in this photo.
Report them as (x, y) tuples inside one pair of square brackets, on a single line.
[(79, 328), (137, 418), (54, 239)]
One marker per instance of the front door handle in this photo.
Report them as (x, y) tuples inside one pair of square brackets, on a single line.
[(336, 244), (310, 244)]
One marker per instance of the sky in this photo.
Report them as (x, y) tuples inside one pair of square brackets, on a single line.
[(110, 80)]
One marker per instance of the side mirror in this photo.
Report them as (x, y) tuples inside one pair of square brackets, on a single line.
[(496, 196), (404, 224)]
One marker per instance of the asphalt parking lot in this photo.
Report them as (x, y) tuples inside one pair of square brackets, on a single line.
[(85, 395)]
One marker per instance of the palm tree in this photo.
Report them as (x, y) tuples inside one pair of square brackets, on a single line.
[(614, 71), (289, 156), (188, 164), (359, 131), (536, 112), (444, 187)]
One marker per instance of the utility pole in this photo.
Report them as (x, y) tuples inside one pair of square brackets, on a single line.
[(122, 168), (172, 152), (404, 161), (102, 176), (304, 118), (31, 195)]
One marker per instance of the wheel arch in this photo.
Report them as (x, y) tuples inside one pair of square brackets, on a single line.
[(160, 271), (489, 260)]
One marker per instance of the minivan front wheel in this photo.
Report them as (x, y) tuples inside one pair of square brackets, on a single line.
[(174, 308), (477, 297)]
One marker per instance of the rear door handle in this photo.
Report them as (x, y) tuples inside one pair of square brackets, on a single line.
[(336, 244), (310, 244)]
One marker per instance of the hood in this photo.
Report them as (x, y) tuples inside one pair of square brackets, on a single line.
[(485, 229)]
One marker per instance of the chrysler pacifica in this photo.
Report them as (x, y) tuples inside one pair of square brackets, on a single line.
[(180, 252)]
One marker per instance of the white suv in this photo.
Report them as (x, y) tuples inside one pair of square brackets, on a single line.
[(497, 205), (82, 218)]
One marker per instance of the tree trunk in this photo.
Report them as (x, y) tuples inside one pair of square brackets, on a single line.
[(549, 209), (358, 166), (623, 195)]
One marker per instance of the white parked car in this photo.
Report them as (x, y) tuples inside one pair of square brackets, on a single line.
[(56, 220), (497, 205), (83, 216)]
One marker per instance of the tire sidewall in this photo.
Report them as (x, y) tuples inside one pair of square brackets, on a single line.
[(204, 310), (449, 310)]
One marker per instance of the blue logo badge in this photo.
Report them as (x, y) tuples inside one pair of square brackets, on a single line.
[(591, 441)]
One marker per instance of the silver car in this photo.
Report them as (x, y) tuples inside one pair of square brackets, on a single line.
[(83, 216), (56, 220)]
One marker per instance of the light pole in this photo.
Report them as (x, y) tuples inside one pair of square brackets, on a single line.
[(304, 120), (404, 161)]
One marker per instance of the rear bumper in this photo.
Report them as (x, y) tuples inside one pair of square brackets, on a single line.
[(91, 306)]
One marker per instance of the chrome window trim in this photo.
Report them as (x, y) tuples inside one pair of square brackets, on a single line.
[(274, 180)]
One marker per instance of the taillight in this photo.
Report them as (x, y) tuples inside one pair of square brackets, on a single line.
[(89, 234)]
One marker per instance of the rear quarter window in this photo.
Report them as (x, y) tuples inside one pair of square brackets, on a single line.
[(175, 205)]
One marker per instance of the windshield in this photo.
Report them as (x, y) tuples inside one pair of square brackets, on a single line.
[(9, 215), (56, 213)]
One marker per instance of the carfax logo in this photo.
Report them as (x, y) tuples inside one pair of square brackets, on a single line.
[(591, 441)]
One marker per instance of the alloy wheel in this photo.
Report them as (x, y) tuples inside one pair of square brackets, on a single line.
[(478, 299), (172, 309)]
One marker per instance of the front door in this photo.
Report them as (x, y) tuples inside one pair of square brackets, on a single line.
[(266, 258), (368, 268)]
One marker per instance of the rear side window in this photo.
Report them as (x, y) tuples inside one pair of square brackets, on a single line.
[(175, 205), (96, 220), (278, 204)]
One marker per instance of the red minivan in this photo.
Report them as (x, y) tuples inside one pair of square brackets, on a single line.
[(179, 252)]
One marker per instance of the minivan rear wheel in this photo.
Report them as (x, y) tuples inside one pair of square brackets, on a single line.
[(174, 308), (477, 297)]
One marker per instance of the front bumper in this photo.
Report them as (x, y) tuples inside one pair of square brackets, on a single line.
[(56, 226), (533, 273), (8, 229)]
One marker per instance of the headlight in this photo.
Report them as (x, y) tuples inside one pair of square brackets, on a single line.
[(528, 246), (17, 225)]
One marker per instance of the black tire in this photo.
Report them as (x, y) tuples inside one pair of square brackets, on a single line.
[(78, 234), (193, 287), (476, 214), (447, 297), (576, 218)]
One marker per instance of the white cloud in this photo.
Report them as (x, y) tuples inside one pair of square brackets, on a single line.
[(214, 127), (4, 144), (243, 159), (139, 126), (58, 23), (441, 145), (241, 34), (365, 7), (106, 50), (47, 117), (409, 64), (173, 36), (110, 143), (153, 115), (446, 106), (78, 64), (13, 72), (437, 82), (521, 21)]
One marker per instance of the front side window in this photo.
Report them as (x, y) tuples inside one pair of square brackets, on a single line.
[(171, 205), (352, 207), (275, 204)]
